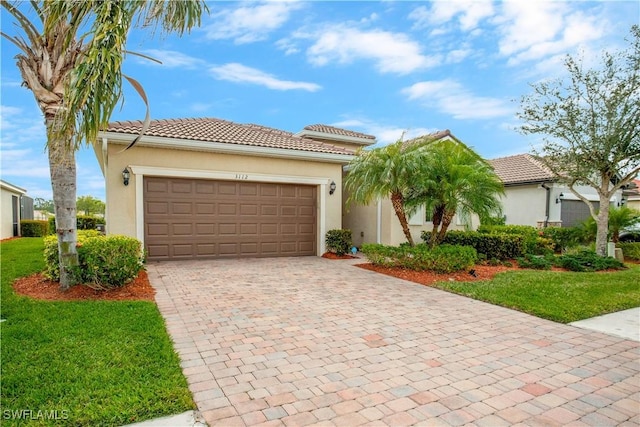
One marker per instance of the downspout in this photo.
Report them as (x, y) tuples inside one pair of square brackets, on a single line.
[(547, 207)]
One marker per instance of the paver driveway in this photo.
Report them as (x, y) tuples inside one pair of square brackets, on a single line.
[(300, 341)]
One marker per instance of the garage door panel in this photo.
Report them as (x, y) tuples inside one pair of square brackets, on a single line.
[(193, 218)]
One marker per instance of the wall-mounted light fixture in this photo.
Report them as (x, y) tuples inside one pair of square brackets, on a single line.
[(559, 198), (125, 176), (332, 187)]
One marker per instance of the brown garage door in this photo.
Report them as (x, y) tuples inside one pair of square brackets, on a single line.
[(193, 218)]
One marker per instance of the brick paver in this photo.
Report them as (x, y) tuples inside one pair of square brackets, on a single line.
[(306, 341)]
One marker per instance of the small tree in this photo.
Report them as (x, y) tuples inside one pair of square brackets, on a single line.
[(591, 123), (90, 205), (619, 219), (388, 171), (455, 179)]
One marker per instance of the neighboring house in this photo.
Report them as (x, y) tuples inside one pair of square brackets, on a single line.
[(208, 188), (10, 201), (378, 223), (631, 195), (535, 197)]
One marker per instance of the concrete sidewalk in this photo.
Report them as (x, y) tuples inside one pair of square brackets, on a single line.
[(303, 341), (624, 324)]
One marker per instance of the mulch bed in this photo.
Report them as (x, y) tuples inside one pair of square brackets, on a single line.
[(331, 255), (39, 287), (481, 272)]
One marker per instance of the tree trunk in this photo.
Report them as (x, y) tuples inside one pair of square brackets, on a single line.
[(446, 222), (62, 166), (602, 222), (397, 200), (437, 220)]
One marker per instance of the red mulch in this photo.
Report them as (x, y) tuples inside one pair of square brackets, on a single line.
[(39, 287), (482, 272), (331, 255)]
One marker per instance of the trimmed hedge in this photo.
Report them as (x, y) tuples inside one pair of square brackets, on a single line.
[(339, 241), (441, 259), (104, 261), (83, 222), (563, 238), (34, 228), (630, 250), (534, 240), (499, 246)]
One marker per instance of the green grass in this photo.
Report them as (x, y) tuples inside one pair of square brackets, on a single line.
[(559, 296), (99, 363)]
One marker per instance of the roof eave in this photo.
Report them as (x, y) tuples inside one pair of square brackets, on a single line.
[(334, 137), (11, 187), (226, 148)]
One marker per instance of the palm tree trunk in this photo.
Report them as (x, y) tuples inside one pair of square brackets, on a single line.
[(446, 222), (397, 200), (437, 220), (62, 167)]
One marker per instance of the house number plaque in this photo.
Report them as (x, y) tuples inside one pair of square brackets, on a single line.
[(242, 176)]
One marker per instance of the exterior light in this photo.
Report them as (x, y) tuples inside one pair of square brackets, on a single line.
[(559, 198), (332, 187), (125, 176)]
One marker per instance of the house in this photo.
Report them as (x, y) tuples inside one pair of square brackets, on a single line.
[(208, 188), (533, 196), (631, 195), (378, 223), (10, 201)]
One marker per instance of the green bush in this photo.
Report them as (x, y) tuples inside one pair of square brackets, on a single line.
[(441, 259), (563, 238), (339, 241), (34, 228), (111, 261), (500, 246), (103, 261), (630, 250), (533, 240), (587, 261), (535, 261), (83, 222)]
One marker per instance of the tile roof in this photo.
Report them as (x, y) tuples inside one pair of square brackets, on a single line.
[(338, 131), (520, 169), (223, 131)]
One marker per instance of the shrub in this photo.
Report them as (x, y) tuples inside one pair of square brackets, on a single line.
[(441, 259), (500, 246), (587, 261), (535, 261), (33, 228), (339, 241), (103, 261), (630, 250), (110, 261), (83, 222), (563, 238), (532, 240)]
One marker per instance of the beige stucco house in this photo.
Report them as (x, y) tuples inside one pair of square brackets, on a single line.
[(10, 196), (533, 196), (207, 188)]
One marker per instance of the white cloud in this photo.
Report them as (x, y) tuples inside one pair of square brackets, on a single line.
[(531, 31), (239, 73), (450, 97), (469, 14), (171, 59), (250, 22), (23, 129), (391, 52)]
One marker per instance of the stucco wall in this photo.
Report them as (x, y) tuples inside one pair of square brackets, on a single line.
[(6, 212), (525, 205), (123, 218)]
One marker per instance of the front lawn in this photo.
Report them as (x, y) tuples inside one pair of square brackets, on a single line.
[(99, 363), (559, 296)]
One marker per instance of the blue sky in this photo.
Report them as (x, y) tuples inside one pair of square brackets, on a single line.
[(382, 68)]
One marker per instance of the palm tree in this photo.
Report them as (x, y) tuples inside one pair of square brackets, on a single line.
[(388, 171), (619, 219), (455, 180), (70, 57)]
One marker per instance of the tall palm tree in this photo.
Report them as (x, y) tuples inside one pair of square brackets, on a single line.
[(455, 179), (388, 171), (71, 53)]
